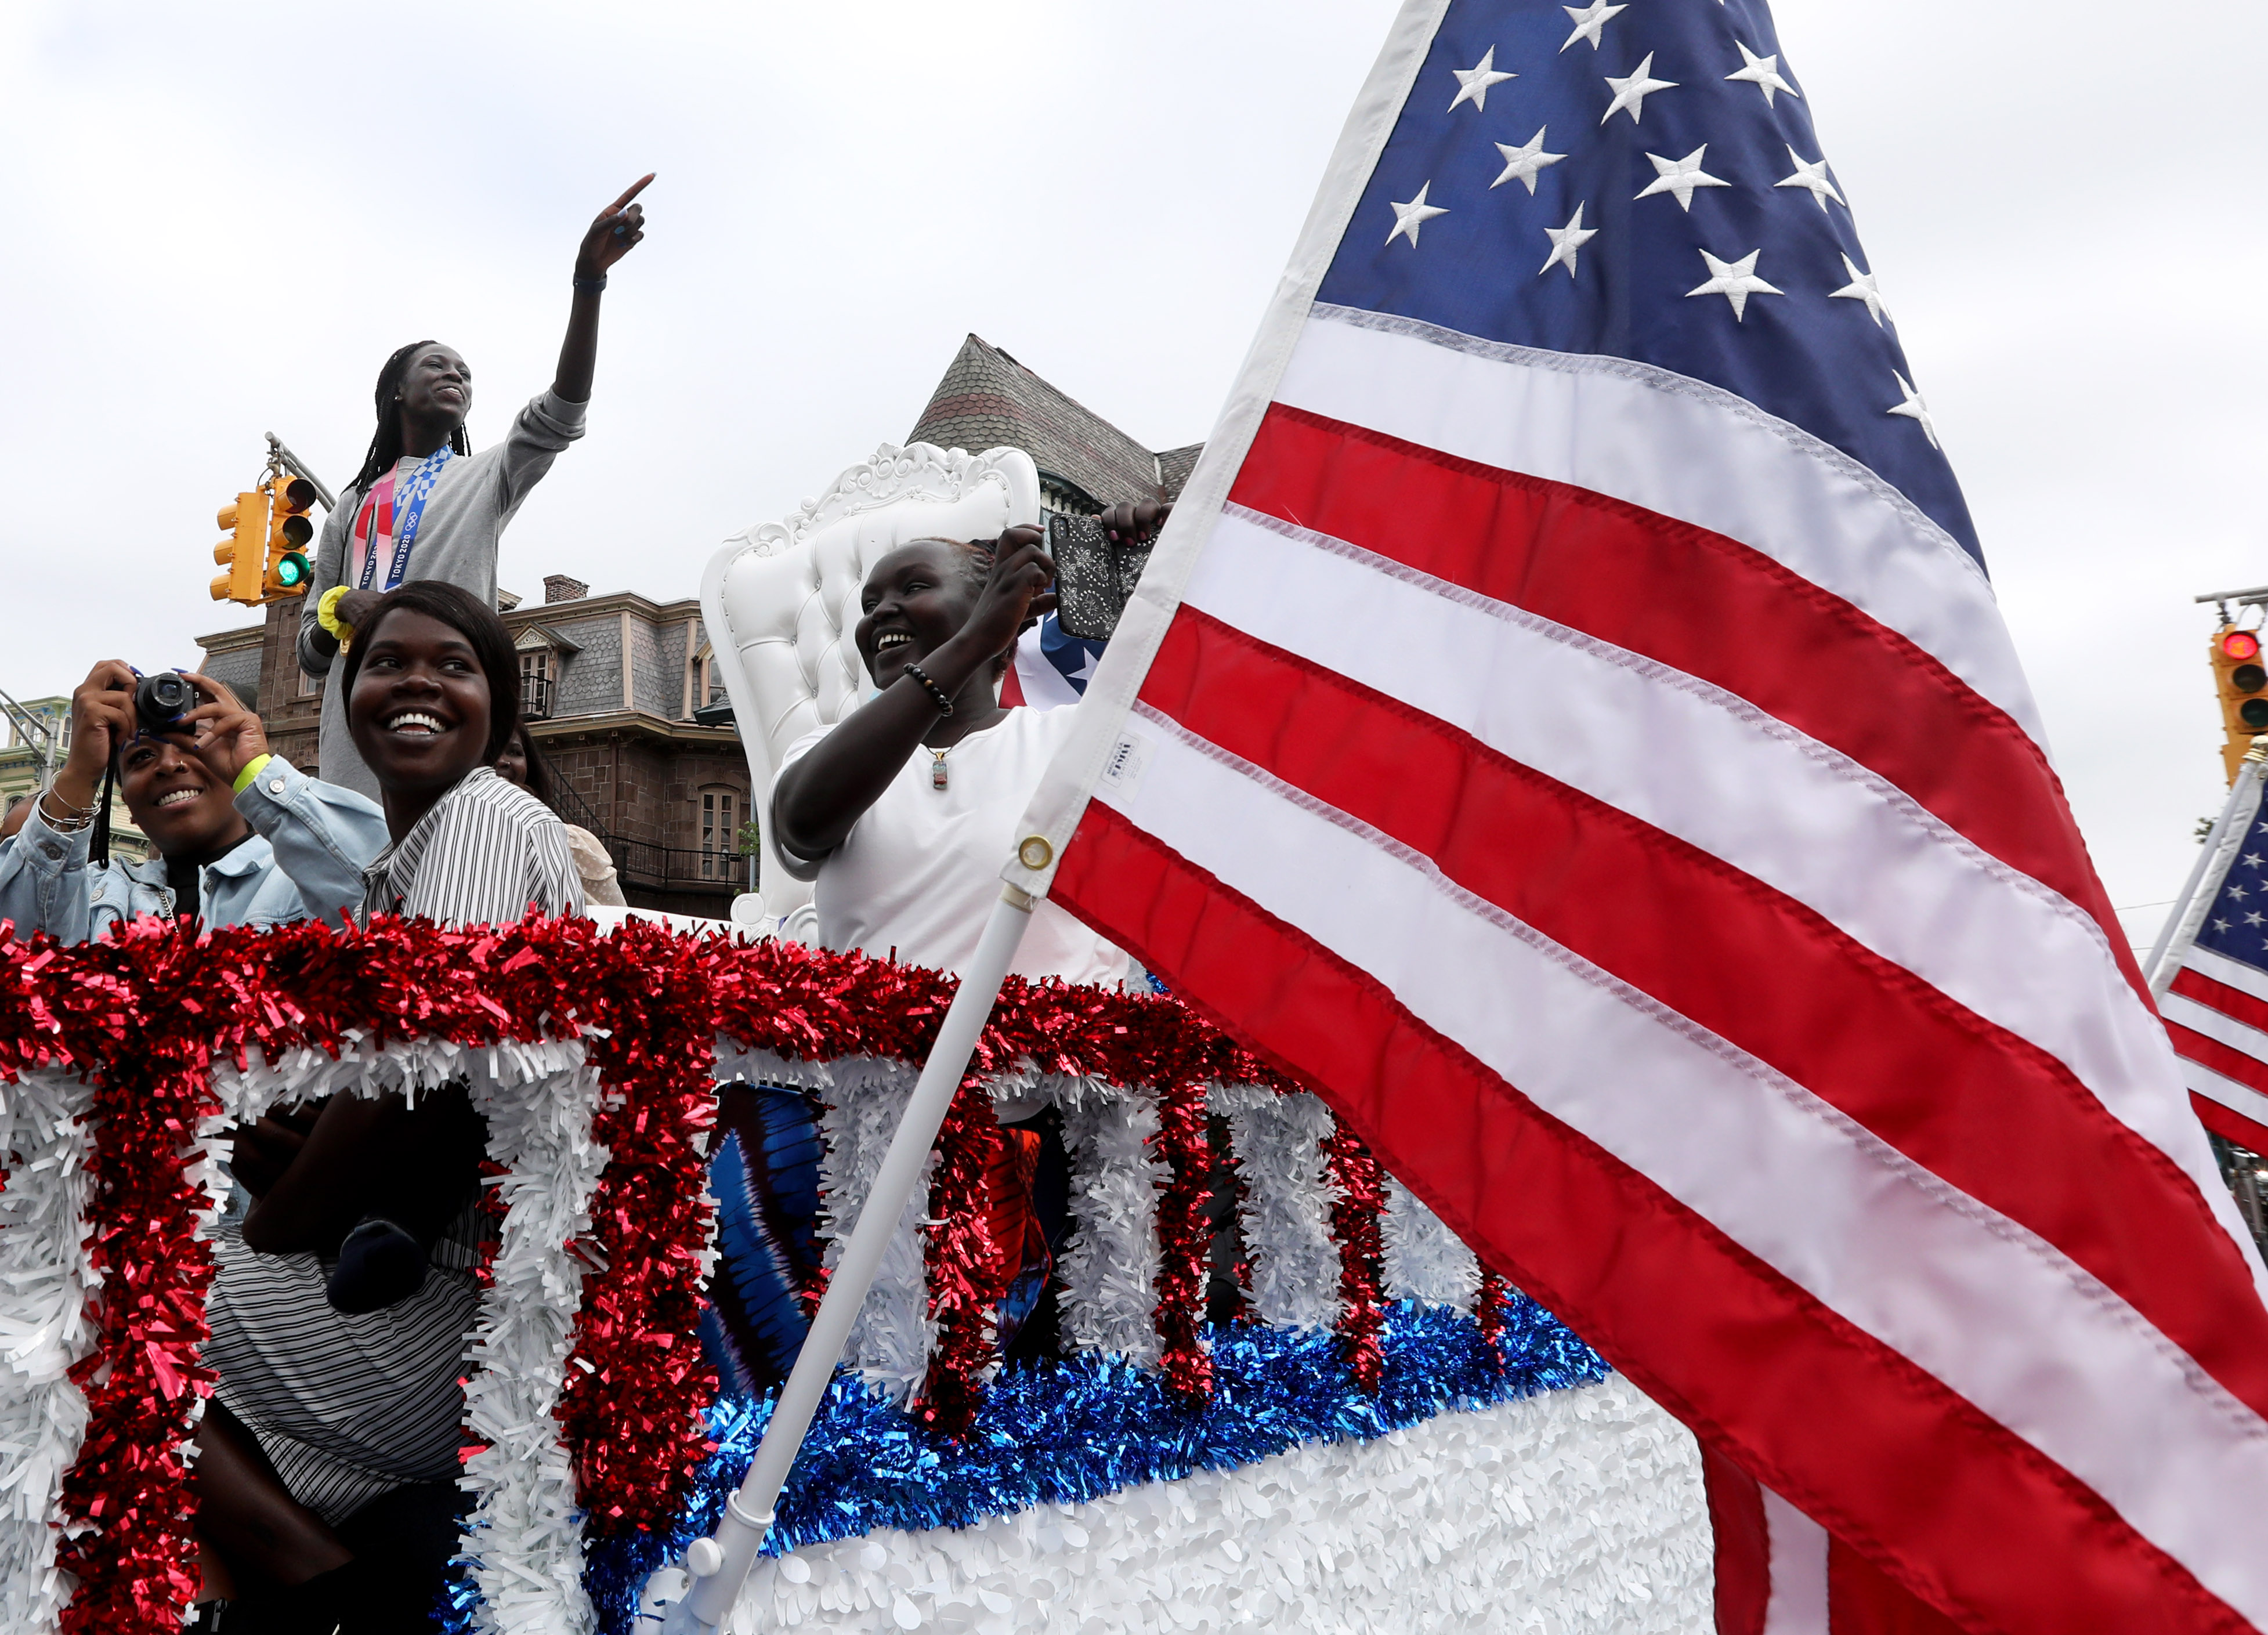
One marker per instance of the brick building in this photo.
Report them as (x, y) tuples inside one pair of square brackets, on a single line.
[(609, 684)]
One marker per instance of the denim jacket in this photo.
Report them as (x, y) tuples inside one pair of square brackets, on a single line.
[(311, 841)]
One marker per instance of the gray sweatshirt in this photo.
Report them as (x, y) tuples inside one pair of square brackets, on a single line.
[(472, 500)]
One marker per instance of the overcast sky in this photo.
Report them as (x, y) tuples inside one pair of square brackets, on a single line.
[(224, 216)]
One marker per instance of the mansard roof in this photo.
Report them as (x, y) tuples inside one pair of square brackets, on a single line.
[(988, 400)]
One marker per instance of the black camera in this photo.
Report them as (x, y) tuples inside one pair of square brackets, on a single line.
[(160, 701)]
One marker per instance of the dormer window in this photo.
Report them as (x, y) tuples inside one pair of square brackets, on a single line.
[(704, 683), (542, 654)]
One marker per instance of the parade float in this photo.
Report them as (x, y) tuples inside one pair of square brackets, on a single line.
[(1381, 1436)]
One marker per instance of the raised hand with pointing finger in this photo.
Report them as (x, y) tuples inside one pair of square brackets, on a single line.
[(612, 236), (424, 505)]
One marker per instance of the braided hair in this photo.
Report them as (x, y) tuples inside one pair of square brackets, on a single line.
[(385, 442)]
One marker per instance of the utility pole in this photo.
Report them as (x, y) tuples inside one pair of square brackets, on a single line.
[(34, 730)]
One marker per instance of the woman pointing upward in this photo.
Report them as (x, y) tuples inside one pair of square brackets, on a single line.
[(424, 507)]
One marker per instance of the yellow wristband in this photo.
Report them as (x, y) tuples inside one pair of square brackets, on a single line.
[(251, 770), (327, 614)]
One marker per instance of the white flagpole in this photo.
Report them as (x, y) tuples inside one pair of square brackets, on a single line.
[(718, 1564), (2210, 868)]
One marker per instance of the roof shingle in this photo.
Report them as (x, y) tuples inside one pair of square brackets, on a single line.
[(988, 400)]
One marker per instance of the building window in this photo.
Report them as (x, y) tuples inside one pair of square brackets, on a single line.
[(535, 685), (310, 686), (705, 683), (720, 841)]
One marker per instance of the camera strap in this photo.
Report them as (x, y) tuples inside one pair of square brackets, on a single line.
[(405, 509), (98, 844)]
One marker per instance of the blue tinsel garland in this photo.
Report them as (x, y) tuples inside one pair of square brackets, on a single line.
[(1076, 1430)]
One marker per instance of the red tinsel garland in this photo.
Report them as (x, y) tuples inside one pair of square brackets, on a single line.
[(961, 1258), (807, 1004), (1184, 1236), (1359, 1184), (1488, 1310), (636, 1380), (151, 1009), (126, 1510)]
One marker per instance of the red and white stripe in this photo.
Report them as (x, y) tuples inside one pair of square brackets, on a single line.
[(1630, 815), (2216, 1013), (1779, 1573)]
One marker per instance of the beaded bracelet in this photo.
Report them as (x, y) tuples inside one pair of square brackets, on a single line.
[(938, 695)]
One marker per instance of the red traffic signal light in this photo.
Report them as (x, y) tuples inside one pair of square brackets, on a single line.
[(2241, 681)]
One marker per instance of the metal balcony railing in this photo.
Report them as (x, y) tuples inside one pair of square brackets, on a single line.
[(642, 863), (536, 697), (652, 867)]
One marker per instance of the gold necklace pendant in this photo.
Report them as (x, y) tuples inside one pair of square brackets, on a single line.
[(937, 773)]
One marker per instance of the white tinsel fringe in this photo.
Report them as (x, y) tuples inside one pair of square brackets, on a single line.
[(538, 1098), (862, 1104), (1569, 1513), (1286, 1213), (1425, 1260), (1109, 1270), (526, 1528), (46, 1274)]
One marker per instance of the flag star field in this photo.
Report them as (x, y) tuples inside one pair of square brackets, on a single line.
[(1680, 136)]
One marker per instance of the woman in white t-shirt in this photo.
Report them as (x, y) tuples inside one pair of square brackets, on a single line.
[(903, 812)]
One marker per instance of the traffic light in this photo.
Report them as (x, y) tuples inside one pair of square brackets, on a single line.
[(2243, 682), (239, 554), (289, 532)]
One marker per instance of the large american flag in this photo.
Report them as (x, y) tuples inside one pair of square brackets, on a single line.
[(1567, 721), (2213, 977)]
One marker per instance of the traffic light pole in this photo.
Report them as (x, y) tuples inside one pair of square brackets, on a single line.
[(297, 468)]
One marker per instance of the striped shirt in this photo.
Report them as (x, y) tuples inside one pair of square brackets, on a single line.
[(485, 853), (349, 1408), (346, 1408)]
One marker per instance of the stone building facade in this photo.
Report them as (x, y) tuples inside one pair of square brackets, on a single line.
[(610, 685)]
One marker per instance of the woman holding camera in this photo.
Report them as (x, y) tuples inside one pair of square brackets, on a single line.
[(242, 838), (424, 507)]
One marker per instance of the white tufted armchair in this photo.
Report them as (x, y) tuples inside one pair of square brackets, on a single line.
[(780, 599)]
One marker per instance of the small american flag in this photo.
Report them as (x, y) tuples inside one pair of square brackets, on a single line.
[(2213, 976), (1567, 722), (1050, 668)]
